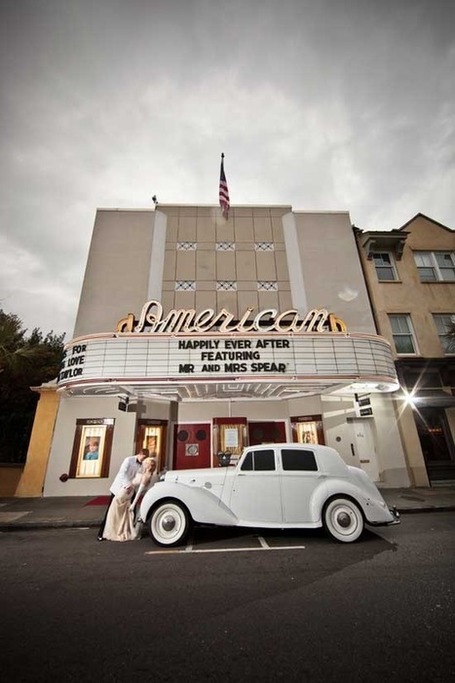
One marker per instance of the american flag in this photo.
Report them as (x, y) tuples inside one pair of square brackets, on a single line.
[(224, 191)]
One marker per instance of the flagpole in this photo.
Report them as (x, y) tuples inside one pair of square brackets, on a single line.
[(223, 190)]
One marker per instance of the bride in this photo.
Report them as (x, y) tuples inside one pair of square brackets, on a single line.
[(120, 520)]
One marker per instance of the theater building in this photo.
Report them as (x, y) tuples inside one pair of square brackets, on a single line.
[(198, 334), (410, 274)]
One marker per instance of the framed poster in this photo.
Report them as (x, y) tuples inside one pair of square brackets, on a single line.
[(91, 448), (231, 437), (151, 434), (307, 429)]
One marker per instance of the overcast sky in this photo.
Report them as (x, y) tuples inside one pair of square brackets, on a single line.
[(321, 104)]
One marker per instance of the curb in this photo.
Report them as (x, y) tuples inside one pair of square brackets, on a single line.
[(29, 526), (432, 508)]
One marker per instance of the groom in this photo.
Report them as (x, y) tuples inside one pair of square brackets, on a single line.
[(128, 470)]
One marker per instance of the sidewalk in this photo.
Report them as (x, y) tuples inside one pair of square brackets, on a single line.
[(88, 511)]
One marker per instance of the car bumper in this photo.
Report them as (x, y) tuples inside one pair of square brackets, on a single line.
[(393, 519)]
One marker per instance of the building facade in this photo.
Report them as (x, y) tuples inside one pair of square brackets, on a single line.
[(410, 274), (197, 335)]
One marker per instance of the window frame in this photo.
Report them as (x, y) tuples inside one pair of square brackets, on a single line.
[(381, 268), (306, 455), (249, 463), (432, 257), (409, 333), (442, 334)]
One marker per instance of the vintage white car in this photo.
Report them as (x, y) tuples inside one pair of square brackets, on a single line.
[(274, 486)]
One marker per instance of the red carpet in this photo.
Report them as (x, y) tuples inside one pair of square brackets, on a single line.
[(99, 500)]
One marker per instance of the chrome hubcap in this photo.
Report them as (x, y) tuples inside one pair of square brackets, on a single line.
[(168, 523), (344, 520)]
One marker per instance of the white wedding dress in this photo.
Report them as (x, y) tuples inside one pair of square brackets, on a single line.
[(120, 524)]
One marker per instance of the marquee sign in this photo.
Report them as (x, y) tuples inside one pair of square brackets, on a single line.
[(133, 358), (185, 347), (187, 321)]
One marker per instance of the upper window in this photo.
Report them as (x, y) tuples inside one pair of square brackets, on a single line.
[(385, 267), (298, 460), (444, 323), (435, 266), (259, 461), (403, 335)]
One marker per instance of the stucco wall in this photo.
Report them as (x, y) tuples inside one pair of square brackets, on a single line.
[(60, 457), (411, 443), (244, 265), (118, 285), (409, 295), (393, 469), (331, 270)]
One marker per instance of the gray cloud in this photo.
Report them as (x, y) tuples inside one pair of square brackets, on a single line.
[(327, 105)]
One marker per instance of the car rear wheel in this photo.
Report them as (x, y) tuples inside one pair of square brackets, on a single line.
[(343, 520), (169, 523)]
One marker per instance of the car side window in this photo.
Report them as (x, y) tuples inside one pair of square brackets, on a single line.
[(247, 464), (259, 461), (298, 459)]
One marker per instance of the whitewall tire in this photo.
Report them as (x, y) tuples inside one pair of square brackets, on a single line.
[(169, 523), (343, 520)]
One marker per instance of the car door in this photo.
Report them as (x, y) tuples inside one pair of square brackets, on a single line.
[(299, 479), (255, 496)]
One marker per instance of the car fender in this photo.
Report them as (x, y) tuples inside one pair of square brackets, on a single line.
[(203, 506), (370, 501), (343, 487)]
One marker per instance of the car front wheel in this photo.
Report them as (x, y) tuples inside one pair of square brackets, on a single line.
[(169, 523), (343, 520)]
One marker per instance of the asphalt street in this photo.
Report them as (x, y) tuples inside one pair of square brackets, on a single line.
[(233, 605)]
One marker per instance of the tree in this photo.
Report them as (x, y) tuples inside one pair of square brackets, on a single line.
[(25, 362)]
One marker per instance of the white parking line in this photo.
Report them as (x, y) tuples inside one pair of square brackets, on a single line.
[(223, 550)]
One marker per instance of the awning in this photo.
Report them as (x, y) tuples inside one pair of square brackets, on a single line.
[(181, 367)]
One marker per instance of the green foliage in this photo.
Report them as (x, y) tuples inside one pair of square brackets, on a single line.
[(25, 361)]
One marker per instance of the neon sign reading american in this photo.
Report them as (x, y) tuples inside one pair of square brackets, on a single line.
[(188, 321)]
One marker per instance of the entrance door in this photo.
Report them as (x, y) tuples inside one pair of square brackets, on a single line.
[(436, 442), (266, 432), (192, 445), (364, 448), (151, 434)]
